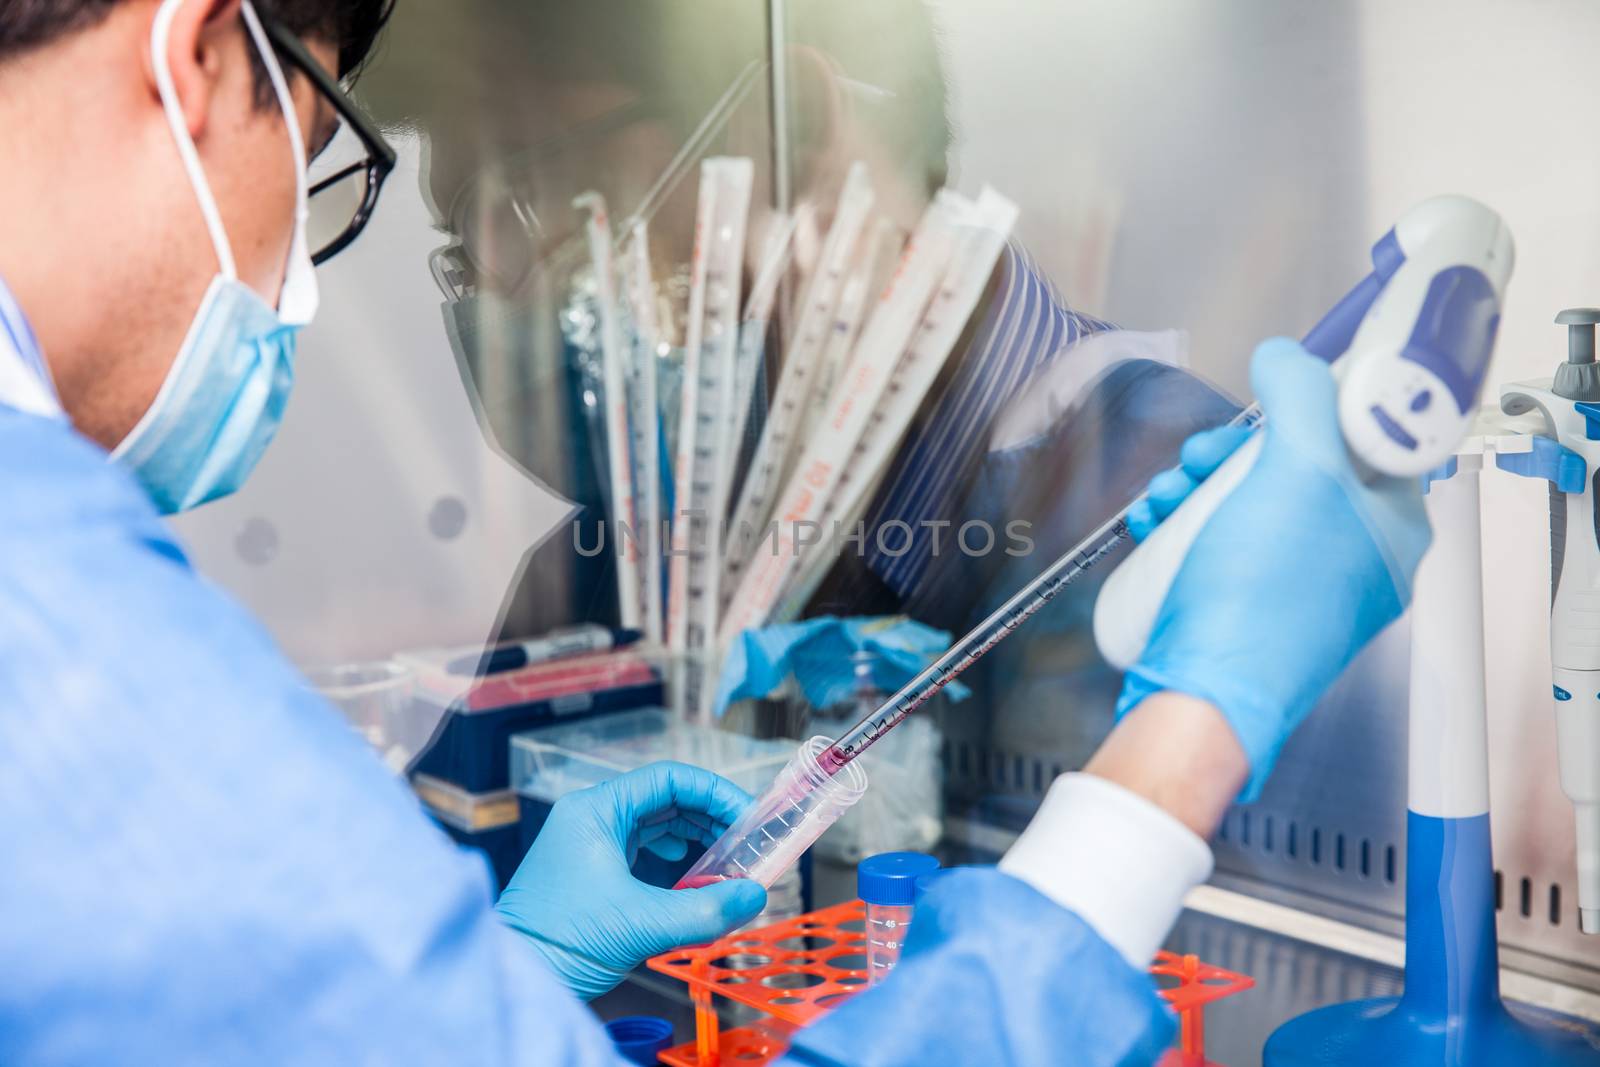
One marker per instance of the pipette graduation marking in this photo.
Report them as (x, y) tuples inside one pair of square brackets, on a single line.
[(876, 256), (982, 235), (645, 426), (883, 340), (866, 279), (794, 389), (681, 531), (702, 471), (753, 327), (1022, 606), (619, 461)]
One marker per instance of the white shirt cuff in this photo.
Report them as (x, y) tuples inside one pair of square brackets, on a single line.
[(1117, 861)]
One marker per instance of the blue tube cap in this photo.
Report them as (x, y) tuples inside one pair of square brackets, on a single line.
[(639, 1038), (891, 877)]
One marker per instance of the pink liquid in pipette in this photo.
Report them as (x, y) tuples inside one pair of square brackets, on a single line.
[(831, 760)]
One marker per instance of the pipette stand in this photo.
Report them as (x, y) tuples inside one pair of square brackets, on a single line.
[(1451, 1012), (795, 971)]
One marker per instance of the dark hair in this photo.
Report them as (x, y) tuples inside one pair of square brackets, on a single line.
[(352, 24)]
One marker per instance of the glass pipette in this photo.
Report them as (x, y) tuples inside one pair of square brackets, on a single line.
[(1023, 605)]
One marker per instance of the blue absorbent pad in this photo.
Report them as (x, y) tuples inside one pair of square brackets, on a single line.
[(818, 653)]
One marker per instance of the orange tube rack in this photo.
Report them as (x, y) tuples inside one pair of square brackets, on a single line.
[(796, 970)]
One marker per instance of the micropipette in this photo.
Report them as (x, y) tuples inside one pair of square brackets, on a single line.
[(1569, 405), (1448, 239)]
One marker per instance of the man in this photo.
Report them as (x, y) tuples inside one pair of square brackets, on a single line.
[(204, 865)]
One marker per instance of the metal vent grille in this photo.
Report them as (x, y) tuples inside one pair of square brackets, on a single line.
[(1328, 834)]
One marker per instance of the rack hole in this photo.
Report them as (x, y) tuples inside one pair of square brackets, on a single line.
[(1038, 777), (851, 979), (1291, 845), (1244, 828), (787, 1000), (1167, 981), (1499, 891), (1338, 851), (1366, 858), (745, 961), (852, 926), (1525, 904), (853, 962), (792, 980), (1266, 834), (1555, 905), (1316, 845), (1388, 864), (800, 943)]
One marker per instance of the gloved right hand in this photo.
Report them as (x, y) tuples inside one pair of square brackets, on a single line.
[(1297, 570)]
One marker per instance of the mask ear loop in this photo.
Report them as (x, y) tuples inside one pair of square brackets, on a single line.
[(297, 301), (160, 34)]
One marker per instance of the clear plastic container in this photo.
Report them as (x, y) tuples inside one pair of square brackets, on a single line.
[(802, 802), (375, 697), (549, 763), (887, 885)]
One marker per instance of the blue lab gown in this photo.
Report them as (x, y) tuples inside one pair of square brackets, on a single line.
[(201, 863)]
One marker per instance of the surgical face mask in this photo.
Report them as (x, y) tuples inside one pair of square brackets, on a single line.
[(224, 395)]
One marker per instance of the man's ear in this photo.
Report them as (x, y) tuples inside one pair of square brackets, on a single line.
[(194, 54)]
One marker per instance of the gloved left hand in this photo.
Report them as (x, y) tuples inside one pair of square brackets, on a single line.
[(576, 899)]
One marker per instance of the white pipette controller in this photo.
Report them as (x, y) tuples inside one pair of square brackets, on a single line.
[(1410, 355), (1570, 404)]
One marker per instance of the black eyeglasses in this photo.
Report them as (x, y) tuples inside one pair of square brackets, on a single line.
[(349, 172)]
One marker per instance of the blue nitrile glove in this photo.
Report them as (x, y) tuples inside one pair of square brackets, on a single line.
[(575, 899), (1299, 568), (819, 651), (1201, 454)]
